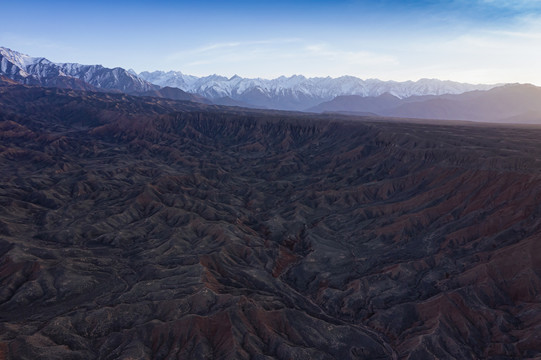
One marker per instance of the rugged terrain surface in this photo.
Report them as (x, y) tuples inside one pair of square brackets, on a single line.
[(140, 228)]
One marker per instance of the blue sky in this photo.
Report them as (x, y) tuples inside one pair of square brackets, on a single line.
[(479, 41)]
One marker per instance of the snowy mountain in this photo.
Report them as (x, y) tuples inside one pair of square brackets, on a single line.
[(298, 92), (40, 71)]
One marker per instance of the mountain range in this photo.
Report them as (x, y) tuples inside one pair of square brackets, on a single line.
[(425, 98), (298, 92)]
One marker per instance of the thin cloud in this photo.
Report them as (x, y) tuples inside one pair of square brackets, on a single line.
[(282, 56), (486, 57), (528, 27), (33, 42), (517, 34), (226, 46), (515, 4)]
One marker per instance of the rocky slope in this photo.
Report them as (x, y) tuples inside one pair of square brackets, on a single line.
[(141, 228)]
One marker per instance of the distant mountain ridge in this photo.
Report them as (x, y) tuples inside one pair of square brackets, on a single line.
[(512, 103), (298, 92)]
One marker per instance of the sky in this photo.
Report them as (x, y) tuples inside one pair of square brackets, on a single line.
[(475, 41)]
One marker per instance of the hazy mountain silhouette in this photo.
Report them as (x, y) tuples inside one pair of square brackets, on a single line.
[(358, 104), (509, 103)]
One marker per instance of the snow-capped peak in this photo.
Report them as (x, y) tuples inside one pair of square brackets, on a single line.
[(298, 92), (40, 71), (19, 59)]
